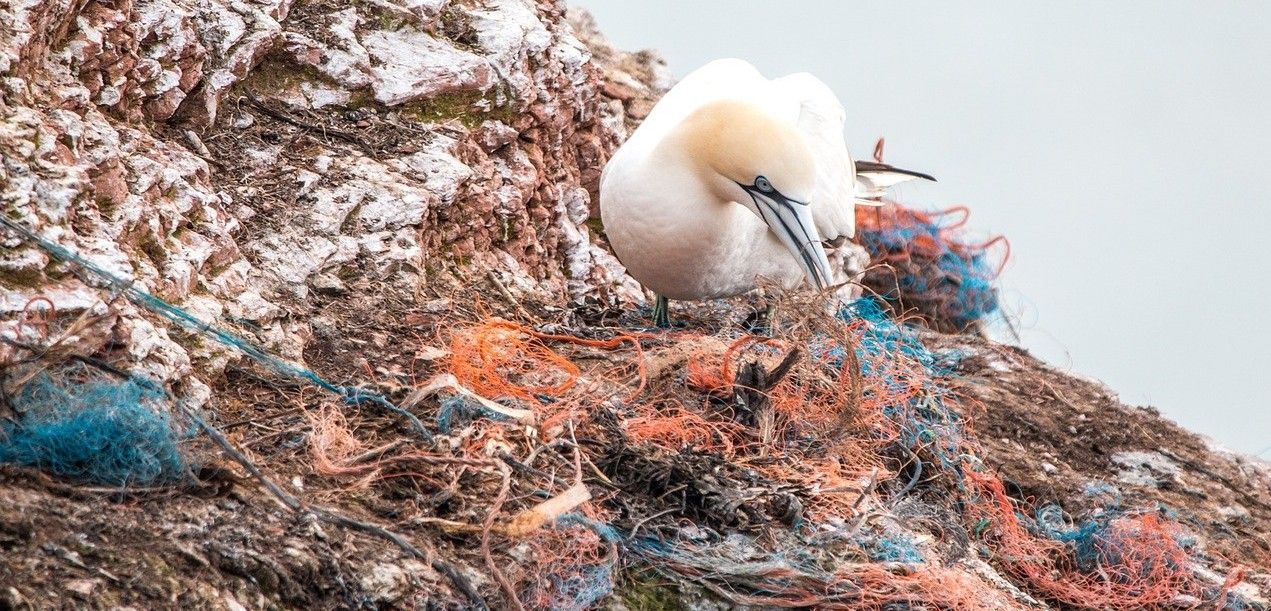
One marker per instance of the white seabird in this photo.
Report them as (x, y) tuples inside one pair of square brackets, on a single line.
[(733, 177)]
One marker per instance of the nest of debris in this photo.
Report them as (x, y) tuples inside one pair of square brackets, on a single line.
[(556, 459), (925, 269)]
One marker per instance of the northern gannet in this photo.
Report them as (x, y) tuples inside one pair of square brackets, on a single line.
[(732, 177)]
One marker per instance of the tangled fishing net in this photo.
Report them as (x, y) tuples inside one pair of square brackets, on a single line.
[(829, 465), (922, 263), (813, 468), (87, 427)]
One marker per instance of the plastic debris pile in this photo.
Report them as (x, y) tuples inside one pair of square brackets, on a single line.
[(922, 264), (831, 483), (828, 465)]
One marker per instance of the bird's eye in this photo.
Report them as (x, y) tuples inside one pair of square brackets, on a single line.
[(762, 184)]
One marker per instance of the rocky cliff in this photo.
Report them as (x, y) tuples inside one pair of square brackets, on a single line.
[(238, 158), (359, 188)]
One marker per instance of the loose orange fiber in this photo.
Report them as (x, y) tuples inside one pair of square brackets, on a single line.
[(500, 358)]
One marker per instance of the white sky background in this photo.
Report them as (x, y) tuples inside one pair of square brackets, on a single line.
[(1123, 150)]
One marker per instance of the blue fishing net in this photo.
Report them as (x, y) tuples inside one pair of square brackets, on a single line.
[(457, 411), (894, 357), (929, 267), (895, 549), (117, 433)]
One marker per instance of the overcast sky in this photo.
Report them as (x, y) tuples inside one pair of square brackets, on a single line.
[(1122, 149)]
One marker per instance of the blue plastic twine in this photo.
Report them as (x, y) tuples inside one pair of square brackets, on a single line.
[(351, 395)]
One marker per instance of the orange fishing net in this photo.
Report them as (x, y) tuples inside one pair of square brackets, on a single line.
[(1138, 561)]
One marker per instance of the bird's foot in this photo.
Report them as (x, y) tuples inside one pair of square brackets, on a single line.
[(760, 321), (662, 312)]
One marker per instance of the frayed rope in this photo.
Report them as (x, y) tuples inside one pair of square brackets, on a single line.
[(352, 395)]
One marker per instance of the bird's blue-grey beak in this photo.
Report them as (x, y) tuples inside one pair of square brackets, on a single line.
[(792, 222)]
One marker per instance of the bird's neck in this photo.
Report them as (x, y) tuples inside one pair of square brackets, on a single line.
[(679, 167)]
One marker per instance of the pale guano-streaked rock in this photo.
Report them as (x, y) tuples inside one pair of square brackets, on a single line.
[(127, 136)]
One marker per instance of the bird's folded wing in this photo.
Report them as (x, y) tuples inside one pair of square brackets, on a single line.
[(820, 120)]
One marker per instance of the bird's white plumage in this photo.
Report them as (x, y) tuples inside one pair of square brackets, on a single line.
[(821, 120), (802, 98), (719, 80), (651, 204)]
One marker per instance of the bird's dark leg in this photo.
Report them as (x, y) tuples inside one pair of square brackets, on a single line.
[(662, 312), (760, 321)]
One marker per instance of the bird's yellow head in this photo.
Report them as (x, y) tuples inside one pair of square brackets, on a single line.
[(748, 156), (740, 143)]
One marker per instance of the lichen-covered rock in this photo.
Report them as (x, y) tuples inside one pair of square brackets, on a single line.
[(235, 157), (141, 207)]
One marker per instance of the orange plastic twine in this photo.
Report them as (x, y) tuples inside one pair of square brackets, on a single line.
[(1141, 563), (824, 430), (498, 358)]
